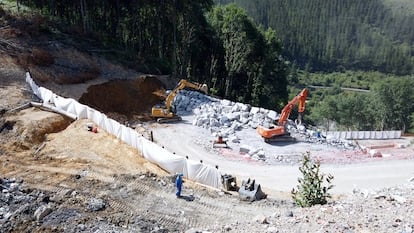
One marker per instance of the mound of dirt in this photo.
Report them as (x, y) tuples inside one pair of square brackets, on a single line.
[(29, 128), (126, 97)]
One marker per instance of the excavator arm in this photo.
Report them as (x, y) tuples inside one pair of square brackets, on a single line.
[(165, 113), (181, 85), (279, 132), (301, 99)]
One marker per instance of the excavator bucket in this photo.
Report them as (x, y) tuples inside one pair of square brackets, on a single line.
[(250, 191), (204, 88)]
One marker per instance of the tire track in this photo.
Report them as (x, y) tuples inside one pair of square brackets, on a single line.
[(141, 199)]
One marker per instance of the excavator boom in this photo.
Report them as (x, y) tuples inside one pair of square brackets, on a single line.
[(166, 113), (279, 132), (301, 99)]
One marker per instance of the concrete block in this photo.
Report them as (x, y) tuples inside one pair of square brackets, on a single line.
[(235, 108), (223, 120), (245, 107), (254, 110), (234, 139), (225, 102), (245, 149), (272, 115)]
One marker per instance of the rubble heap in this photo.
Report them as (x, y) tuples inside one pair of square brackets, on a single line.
[(225, 118), (222, 116)]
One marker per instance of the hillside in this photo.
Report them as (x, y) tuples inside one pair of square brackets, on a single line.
[(56, 176), (400, 6), (333, 35)]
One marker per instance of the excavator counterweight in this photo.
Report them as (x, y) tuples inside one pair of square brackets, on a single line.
[(279, 132)]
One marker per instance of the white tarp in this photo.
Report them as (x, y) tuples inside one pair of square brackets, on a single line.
[(165, 159), (200, 173), (172, 163)]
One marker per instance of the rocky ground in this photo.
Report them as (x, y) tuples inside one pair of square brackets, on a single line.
[(56, 176)]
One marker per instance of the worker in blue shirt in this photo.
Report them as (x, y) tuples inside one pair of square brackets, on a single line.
[(179, 184)]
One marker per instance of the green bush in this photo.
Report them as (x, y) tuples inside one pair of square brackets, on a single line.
[(311, 190)]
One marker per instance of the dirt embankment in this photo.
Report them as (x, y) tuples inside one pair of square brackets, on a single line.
[(57, 62), (130, 98)]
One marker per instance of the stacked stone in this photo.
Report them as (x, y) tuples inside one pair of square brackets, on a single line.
[(222, 117)]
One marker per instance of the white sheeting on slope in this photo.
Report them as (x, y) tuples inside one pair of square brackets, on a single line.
[(196, 171)]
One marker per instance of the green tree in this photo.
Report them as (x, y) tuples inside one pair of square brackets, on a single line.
[(325, 112), (392, 100), (232, 25), (337, 34), (256, 72), (311, 190)]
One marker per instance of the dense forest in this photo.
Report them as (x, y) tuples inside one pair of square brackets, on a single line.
[(244, 61), (334, 35), (386, 104), (220, 46)]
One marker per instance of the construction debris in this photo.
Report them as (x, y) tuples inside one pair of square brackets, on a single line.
[(225, 119), (251, 191), (229, 182)]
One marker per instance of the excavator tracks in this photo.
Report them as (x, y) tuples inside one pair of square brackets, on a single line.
[(283, 138), (169, 120)]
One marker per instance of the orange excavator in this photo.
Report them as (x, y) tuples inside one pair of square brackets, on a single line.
[(279, 132)]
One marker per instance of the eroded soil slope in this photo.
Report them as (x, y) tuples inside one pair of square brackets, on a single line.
[(130, 98)]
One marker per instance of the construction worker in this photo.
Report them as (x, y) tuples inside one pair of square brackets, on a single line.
[(318, 133), (179, 184)]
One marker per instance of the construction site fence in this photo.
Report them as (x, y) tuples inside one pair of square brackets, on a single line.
[(196, 171), (360, 135)]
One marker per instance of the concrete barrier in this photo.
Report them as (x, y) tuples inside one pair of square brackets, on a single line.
[(354, 135)]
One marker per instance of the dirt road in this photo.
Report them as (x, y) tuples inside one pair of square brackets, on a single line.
[(187, 140)]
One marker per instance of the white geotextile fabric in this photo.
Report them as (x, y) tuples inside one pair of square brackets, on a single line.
[(173, 163)]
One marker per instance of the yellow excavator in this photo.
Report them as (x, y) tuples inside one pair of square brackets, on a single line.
[(279, 132), (166, 112)]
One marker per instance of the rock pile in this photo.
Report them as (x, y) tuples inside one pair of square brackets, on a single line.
[(225, 118), (20, 204), (386, 210), (222, 116)]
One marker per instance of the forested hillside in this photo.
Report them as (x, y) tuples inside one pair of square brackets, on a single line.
[(335, 35), (222, 46), (219, 46)]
